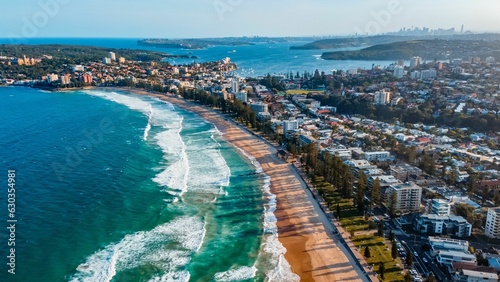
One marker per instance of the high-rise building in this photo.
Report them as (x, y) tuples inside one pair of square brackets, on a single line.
[(382, 97), (235, 86), (492, 227), (399, 71), (112, 56), (65, 79), (87, 78), (242, 96), (121, 60), (407, 196), (106, 60), (52, 77), (415, 62)]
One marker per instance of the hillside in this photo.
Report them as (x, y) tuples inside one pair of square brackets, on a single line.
[(79, 54), (427, 49)]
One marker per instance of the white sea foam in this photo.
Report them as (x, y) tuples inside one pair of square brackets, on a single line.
[(272, 246), (210, 170), (160, 114), (185, 235), (148, 127), (236, 274), (175, 276)]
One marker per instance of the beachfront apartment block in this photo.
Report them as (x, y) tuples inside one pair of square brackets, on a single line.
[(380, 156), (439, 207), (408, 197), (492, 227), (450, 225)]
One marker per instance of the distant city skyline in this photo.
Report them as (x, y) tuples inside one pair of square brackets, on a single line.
[(224, 18)]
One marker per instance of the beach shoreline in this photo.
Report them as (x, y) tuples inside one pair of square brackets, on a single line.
[(311, 251)]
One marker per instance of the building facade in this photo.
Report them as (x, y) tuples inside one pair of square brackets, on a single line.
[(492, 227), (433, 224), (408, 197)]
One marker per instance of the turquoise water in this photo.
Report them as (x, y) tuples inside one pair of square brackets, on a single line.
[(116, 187)]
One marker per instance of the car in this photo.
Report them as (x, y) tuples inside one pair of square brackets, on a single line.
[(425, 260), (415, 253)]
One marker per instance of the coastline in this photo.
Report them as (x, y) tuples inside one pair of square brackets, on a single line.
[(310, 250)]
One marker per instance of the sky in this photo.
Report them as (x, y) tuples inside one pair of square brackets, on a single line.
[(222, 18)]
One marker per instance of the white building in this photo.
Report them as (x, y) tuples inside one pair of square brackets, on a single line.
[(289, 125), (451, 225), (492, 227), (399, 71), (377, 156), (446, 258), (415, 61), (106, 60), (490, 60), (415, 75), (382, 98), (439, 244), (467, 275), (426, 74), (408, 197), (78, 68), (438, 207), (235, 86), (112, 56), (52, 78)]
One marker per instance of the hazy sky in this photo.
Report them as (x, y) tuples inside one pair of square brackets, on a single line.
[(218, 18)]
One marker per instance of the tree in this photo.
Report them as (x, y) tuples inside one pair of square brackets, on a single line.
[(392, 205), (408, 277), (360, 191), (381, 270), (338, 210), (409, 259), (375, 193), (394, 250), (367, 252), (380, 231), (391, 236)]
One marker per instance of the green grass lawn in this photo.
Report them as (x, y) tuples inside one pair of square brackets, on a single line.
[(380, 252), (352, 219)]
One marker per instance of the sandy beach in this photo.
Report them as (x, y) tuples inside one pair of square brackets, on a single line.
[(311, 251)]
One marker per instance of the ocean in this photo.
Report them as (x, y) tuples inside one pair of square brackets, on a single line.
[(252, 60), (112, 186), (117, 187)]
